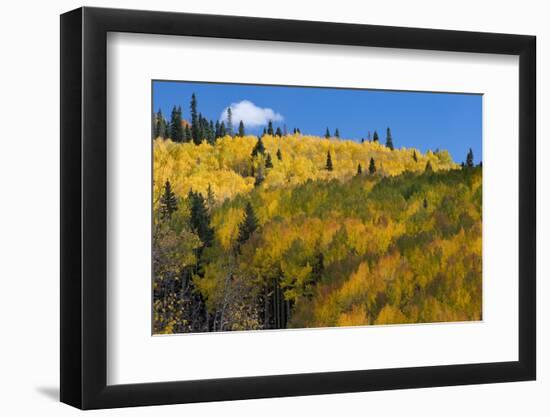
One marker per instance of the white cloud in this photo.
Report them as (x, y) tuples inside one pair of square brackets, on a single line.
[(250, 114)]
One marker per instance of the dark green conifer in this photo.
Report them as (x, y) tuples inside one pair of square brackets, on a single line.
[(200, 218), (337, 133), (195, 128), (229, 126), (248, 226), (168, 202), (359, 169), (279, 154), (270, 128), (327, 133), (470, 159), (372, 166), (328, 165), (176, 127), (241, 129), (279, 132), (268, 161), (375, 136), (259, 148), (389, 140)]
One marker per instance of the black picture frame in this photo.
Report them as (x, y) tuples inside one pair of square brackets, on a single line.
[(84, 207)]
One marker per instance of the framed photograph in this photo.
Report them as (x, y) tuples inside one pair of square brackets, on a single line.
[(257, 208)]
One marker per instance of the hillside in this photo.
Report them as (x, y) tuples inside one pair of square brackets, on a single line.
[(240, 244)]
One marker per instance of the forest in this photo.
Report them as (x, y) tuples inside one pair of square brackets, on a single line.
[(288, 230)]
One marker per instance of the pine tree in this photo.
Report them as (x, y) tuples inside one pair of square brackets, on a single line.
[(200, 218), (278, 132), (241, 129), (337, 133), (279, 154), (329, 166), (211, 132), (217, 129), (268, 161), (200, 130), (428, 168), (415, 157), (166, 129), (362, 140), (470, 159), (372, 166), (259, 148), (264, 132), (229, 126), (159, 128), (359, 169), (270, 128), (298, 131), (389, 140), (168, 202), (176, 127), (248, 226), (223, 130), (195, 128), (375, 136), (327, 133)]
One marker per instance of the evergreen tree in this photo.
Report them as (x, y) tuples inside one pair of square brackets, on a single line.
[(248, 226), (217, 129), (241, 129), (200, 218), (211, 132), (268, 161), (279, 154), (176, 126), (362, 140), (200, 133), (188, 134), (264, 132), (425, 203), (470, 159), (259, 148), (166, 129), (337, 133), (429, 168), (270, 128), (195, 128), (159, 129), (415, 157), (229, 126), (389, 140), (359, 169), (223, 130), (168, 202), (278, 132), (327, 133), (368, 136), (375, 136), (329, 166), (372, 166), (298, 131)]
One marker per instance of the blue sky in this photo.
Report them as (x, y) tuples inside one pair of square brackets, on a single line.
[(421, 120)]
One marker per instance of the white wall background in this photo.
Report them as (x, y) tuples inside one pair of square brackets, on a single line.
[(29, 225)]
